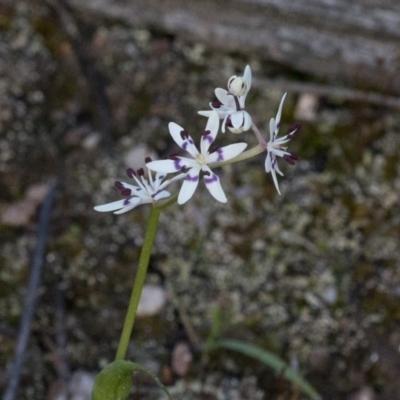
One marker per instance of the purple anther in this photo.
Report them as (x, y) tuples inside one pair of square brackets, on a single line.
[(184, 134), (216, 104), (293, 129), (147, 160), (173, 156), (126, 192), (290, 158), (140, 172), (118, 185), (184, 169), (130, 172)]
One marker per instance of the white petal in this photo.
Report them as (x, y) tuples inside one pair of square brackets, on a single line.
[(272, 126), (278, 115), (173, 179), (189, 186), (175, 131), (204, 113), (224, 124), (226, 152), (247, 79), (162, 195), (133, 203), (237, 119), (214, 186), (164, 166), (212, 127), (225, 98), (268, 162), (247, 121), (275, 180), (185, 144), (279, 153), (111, 206)]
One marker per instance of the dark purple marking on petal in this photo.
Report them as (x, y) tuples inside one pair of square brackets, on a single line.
[(155, 194), (177, 164), (206, 136), (140, 172), (213, 178), (273, 159), (126, 202), (194, 178), (229, 122), (206, 173), (185, 145), (126, 192), (147, 160), (130, 172), (220, 153), (184, 135), (216, 104)]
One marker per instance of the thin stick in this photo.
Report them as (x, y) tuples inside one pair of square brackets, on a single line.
[(31, 295), (329, 91)]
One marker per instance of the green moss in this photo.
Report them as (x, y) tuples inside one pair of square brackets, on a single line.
[(140, 106), (390, 166)]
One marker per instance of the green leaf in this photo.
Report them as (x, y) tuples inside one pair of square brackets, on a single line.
[(269, 359), (115, 380)]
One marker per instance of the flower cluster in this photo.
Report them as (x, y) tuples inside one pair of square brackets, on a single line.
[(231, 103), (230, 108)]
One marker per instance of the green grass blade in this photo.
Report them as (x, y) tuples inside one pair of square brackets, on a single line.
[(266, 358)]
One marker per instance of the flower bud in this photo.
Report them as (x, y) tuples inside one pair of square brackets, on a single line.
[(239, 122), (237, 85)]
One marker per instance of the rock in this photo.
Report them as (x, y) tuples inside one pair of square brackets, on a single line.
[(152, 301)]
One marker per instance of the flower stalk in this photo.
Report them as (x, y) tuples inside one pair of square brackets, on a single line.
[(139, 282)]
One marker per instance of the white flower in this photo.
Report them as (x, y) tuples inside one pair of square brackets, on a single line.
[(275, 148), (149, 190), (231, 103), (200, 161)]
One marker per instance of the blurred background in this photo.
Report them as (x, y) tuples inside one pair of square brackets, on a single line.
[(87, 89)]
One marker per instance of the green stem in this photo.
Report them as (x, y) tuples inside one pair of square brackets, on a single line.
[(139, 281), (244, 156)]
